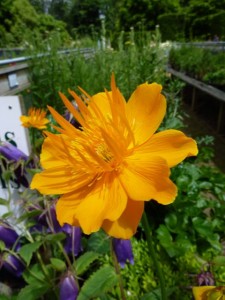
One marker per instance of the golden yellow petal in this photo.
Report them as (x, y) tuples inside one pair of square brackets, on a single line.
[(100, 103), (59, 180), (172, 145), (88, 208), (71, 130), (65, 209), (146, 179), (200, 292), (107, 200), (53, 152), (145, 111), (126, 226)]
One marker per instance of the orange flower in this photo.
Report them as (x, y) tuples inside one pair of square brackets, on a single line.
[(107, 170), (36, 118), (209, 292)]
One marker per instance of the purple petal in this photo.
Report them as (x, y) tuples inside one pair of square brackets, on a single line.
[(11, 152), (13, 265), (52, 221), (205, 278), (123, 251), (73, 241), (68, 288), (8, 235)]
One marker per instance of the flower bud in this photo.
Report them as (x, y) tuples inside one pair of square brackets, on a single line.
[(11, 152), (73, 241), (13, 265), (68, 288), (205, 278), (123, 251), (8, 235)]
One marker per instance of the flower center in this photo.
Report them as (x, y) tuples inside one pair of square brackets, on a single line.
[(103, 151)]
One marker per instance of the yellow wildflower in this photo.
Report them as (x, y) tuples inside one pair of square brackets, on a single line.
[(209, 292), (36, 118), (108, 168)]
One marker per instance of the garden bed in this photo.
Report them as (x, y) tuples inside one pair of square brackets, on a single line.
[(206, 65)]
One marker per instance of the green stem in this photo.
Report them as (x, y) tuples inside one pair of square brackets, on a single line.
[(117, 269), (71, 267), (153, 255)]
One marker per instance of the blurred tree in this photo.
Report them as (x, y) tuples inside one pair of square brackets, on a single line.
[(20, 22), (60, 9), (42, 6), (83, 15)]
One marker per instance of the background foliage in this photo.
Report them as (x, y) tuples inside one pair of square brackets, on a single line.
[(178, 20)]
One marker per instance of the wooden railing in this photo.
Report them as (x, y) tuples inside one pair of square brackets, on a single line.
[(216, 46), (14, 71), (208, 89)]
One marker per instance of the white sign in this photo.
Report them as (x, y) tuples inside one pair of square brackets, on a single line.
[(11, 108), (13, 82)]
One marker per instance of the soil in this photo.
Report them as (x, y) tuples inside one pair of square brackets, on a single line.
[(202, 120)]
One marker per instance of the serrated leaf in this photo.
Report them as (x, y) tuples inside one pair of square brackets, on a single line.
[(99, 242), (26, 251), (84, 261), (32, 292), (58, 264), (100, 282)]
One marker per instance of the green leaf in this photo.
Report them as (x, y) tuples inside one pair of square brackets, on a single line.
[(55, 237), (7, 215), (154, 295), (30, 214), (32, 292), (34, 275), (26, 251), (58, 264), (171, 222), (219, 260), (2, 246), (4, 201), (99, 242), (99, 282), (166, 240), (84, 261)]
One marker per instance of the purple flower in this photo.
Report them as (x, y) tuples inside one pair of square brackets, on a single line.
[(48, 219), (73, 240), (14, 155), (13, 264), (11, 152), (205, 278), (123, 251), (8, 235), (68, 288)]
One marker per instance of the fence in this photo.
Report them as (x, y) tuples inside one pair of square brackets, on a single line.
[(14, 71), (215, 46)]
